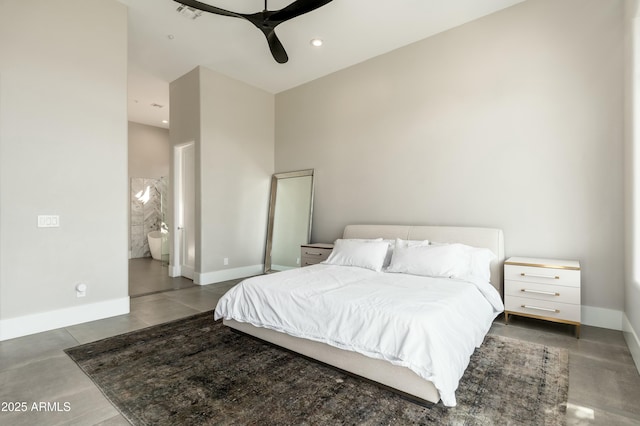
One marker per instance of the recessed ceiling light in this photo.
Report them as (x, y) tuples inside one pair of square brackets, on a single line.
[(165, 121), (316, 42)]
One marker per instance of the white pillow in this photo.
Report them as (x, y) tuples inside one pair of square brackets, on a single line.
[(367, 254), (411, 243), (449, 260), (387, 258), (479, 261), (399, 242)]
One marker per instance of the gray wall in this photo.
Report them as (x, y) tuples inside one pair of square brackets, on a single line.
[(63, 151), (148, 151), (632, 177), (512, 121), (236, 160), (148, 158), (232, 125), (184, 94)]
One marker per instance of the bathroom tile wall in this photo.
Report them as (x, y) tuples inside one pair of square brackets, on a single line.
[(148, 205)]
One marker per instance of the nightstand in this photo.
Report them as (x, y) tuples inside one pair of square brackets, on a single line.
[(314, 253), (547, 289)]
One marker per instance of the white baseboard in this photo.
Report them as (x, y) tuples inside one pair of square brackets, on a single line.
[(11, 328), (602, 317), (633, 342), (227, 274), (181, 271), (283, 268), (188, 271), (175, 271)]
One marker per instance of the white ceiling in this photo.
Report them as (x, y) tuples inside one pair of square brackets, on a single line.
[(164, 45)]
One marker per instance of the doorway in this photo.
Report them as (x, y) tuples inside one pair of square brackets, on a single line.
[(149, 164), (184, 244)]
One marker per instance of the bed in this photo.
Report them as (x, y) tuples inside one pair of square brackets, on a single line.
[(447, 317)]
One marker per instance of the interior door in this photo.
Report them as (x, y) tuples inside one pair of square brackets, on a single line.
[(185, 244)]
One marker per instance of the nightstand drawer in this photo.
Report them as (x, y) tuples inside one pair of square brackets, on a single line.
[(315, 253), (312, 254), (543, 308), (308, 261), (531, 274), (536, 291)]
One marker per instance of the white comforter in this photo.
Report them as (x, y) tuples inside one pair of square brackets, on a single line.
[(429, 325)]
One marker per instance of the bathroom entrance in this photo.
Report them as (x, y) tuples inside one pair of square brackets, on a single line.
[(149, 239), (149, 232), (149, 164)]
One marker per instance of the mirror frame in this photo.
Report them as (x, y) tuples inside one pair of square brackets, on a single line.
[(272, 207)]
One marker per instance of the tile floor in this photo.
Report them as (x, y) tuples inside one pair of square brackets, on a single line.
[(604, 384), (147, 276), (35, 368)]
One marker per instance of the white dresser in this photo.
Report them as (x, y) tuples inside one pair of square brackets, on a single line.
[(547, 289), (310, 254)]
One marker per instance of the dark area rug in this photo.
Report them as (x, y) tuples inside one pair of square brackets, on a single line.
[(197, 372)]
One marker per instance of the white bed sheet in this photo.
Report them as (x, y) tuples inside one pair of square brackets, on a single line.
[(429, 325)]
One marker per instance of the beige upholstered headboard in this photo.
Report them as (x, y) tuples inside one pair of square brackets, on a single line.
[(490, 238)]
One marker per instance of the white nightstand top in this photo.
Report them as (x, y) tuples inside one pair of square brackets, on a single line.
[(544, 263)]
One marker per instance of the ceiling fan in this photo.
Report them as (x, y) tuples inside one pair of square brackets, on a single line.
[(266, 21)]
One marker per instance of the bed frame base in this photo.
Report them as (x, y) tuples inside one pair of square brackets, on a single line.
[(397, 378)]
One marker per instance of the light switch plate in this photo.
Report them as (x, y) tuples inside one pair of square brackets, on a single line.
[(48, 221)]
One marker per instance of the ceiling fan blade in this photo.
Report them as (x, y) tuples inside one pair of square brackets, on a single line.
[(265, 21), (208, 8), (277, 49), (297, 8)]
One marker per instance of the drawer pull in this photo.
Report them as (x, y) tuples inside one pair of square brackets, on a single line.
[(552, 277), (548, 293), (312, 254), (540, 309)]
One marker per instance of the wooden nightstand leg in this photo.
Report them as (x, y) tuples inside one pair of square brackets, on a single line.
[(577, 331), (506, 318)]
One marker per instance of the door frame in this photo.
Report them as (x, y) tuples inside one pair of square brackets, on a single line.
[(178, 268)]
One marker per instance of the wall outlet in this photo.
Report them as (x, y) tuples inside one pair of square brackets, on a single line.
[(225, 261), (81, 290), (297, 260)]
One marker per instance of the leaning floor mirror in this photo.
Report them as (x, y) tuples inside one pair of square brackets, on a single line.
[(289, 226)]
